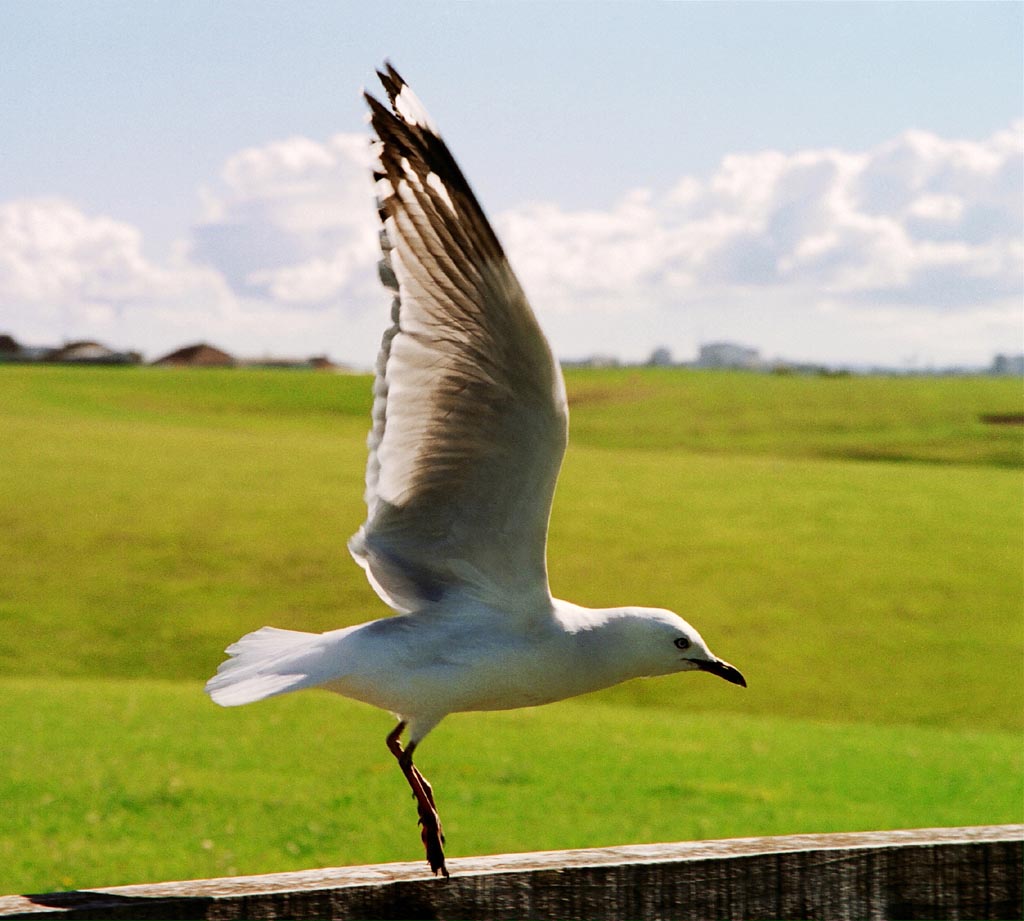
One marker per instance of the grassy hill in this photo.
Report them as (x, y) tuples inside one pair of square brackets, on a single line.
[(854, 545)]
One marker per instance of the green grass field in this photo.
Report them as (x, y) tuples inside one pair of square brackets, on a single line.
[(854, 545)]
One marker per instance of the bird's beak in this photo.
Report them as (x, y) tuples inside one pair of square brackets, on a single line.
[(722, 669)]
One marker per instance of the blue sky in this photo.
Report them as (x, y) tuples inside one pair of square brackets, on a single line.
[(793, 175)]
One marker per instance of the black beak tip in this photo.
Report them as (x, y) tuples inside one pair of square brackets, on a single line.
[(724, 670)]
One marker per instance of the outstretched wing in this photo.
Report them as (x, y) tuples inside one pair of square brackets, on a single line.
[(469, 413)]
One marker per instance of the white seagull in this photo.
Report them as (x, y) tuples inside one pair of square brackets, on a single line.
[(469, 428)]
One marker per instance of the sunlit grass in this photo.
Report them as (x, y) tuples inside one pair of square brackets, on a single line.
[(143, 541), (120, 782), (935, 420), (876, 592), (853, 545)]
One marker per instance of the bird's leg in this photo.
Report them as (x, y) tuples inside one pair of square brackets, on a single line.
[(395, 747), (431, 833)]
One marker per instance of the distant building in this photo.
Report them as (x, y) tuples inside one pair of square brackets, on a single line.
[(82, 351), (661, 357), (200, 355), (12, 350), (87, 352), (593, 361), (1008, 365), (728, 355), (9, 348), (316, 363)]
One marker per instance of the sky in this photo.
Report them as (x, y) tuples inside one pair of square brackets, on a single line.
[(824, 181)]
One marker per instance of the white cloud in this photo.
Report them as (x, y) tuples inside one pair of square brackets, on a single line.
[(946, 209), (293, 223), (51, 252), (64, 274), (919, 228), (913, 247), (919, 220)]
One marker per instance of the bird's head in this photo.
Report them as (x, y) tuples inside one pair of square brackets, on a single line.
[(665, 643)]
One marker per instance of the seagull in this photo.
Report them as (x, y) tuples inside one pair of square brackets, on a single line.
[(469, 425)]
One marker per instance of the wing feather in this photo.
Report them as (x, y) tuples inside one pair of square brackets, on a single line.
[(469, 414)]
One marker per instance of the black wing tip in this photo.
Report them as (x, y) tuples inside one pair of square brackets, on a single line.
[(393, 85), (392, 81), (376, 106), (394, 74)]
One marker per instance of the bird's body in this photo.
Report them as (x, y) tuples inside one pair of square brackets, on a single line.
[(469, 427), (444, 660)]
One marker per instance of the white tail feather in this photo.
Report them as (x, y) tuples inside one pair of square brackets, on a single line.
[(266, 663)]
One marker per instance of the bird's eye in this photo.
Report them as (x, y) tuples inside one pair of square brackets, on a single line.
[(682, 643)]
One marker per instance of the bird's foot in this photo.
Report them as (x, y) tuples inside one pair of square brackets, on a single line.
[(433, 841)]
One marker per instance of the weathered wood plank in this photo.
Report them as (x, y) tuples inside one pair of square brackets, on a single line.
[(954, 873)]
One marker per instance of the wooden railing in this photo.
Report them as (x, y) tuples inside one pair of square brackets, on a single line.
[(930, 873)]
